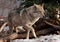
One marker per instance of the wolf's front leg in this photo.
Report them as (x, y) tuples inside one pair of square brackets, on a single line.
[(32, 30)]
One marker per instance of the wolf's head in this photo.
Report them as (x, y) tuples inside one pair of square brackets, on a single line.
[(39, 9), (36, 10)]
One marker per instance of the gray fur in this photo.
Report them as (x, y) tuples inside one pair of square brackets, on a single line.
[(26, 18)]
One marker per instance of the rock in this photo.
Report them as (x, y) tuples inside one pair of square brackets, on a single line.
[(47, 38)]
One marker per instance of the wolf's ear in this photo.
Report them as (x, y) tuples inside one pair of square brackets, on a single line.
[(34, 4), (42, 4)]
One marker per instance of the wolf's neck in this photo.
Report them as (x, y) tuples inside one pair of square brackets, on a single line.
[(35, 20)]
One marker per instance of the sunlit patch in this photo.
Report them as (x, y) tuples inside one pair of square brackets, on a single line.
[(58, 16)]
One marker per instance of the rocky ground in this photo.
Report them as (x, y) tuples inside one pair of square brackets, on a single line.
[(47, 38)]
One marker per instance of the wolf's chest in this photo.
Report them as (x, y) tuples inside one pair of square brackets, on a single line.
[(32, 22)]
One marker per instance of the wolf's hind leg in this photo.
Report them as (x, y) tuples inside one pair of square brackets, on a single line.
[(28, 31)]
